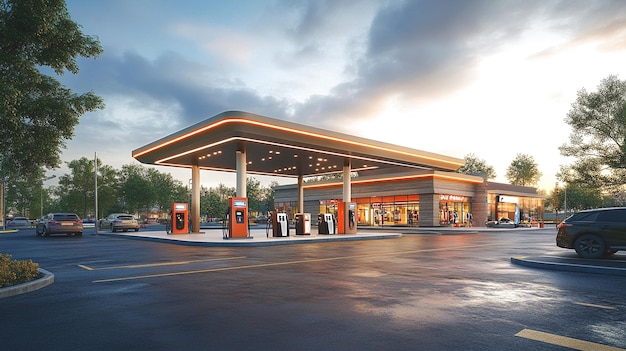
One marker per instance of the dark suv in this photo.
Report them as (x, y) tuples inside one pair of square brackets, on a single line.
[(594, 233), (59, 223)]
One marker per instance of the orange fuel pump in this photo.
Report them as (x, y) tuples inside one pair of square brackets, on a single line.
[(346, 218), (238, 217), (180, 218)]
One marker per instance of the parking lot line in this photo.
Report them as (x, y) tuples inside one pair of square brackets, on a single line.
[(174, 263), (564, 341), (271, 264), (596, 306)]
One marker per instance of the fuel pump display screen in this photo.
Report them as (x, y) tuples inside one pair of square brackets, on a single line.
[(239, 216), (239, 203)]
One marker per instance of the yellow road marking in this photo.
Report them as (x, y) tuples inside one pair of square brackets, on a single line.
[(175, 263), (279, 264), (564, 341), (596, 306)]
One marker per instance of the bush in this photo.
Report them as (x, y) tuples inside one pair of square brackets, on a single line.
[(13, 272)]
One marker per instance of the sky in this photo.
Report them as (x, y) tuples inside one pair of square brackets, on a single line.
[(492, 78)]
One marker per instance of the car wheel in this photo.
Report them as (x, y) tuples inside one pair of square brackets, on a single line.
[(125, 230), (590, 246), (44, 232), (136, 229), (79, 234)]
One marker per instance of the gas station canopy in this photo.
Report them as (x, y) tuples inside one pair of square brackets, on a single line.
[(281, 148)]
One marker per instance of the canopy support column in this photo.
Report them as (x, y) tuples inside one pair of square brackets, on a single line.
[(241, 173), (300, 194), (195, 199)]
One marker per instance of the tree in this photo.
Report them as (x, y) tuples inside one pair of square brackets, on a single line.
[(23, 195), (475, 166), (137, 194), (37, 113), (76, 190), (523, 170), (214, 201), (576, 198), (166, 189), (598, 137)]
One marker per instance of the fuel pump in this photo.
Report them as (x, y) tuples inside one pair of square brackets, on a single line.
[(326, 223), (180, 214), (280, 224), (237, 218), (346, 218), (303, 224)]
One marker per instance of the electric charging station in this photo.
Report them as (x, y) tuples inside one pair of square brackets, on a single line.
[(326, 223), (280, 224), (346, 218), (237, 218), (179, 219)]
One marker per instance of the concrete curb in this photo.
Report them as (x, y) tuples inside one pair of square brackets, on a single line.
[(250, 242), (47, 279), (569, 267)]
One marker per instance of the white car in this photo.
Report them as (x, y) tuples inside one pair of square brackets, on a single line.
[(119, 221), (19, 222), (502, 223)]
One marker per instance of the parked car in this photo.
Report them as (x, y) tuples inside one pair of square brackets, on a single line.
[(151, 221), (594, 233), (119, 221), (59, 223), (502, 223), (19, 222)]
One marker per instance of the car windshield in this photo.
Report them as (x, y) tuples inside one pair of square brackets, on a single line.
[(65, 217), (125, 218)]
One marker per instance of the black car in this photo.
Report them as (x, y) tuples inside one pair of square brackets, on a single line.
[(594, 233)]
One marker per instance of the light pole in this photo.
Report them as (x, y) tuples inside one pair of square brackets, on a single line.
[(4, 225), (41, 197)]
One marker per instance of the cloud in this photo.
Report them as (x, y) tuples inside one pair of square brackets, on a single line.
[(171, 80)]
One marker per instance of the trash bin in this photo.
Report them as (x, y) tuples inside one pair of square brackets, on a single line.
[(303, 224)]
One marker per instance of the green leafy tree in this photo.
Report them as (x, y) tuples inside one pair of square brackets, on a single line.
[(37, 113), (136, 193), (166, 190), (577, 197), (523, 170), (267, 198), (108, 190), (214, 201), (76, 190), (475, 166), (254, 193), (598, 137), (23, 195)]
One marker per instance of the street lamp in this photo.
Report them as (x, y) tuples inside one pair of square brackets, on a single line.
[(41, 197), (4, 218)]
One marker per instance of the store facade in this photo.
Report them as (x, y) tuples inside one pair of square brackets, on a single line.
[(427, 199)]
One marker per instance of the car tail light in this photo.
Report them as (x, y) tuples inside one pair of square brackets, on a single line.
[(563, 225)]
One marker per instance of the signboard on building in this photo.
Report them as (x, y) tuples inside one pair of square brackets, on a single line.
[(452, 198), (509, 199)]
